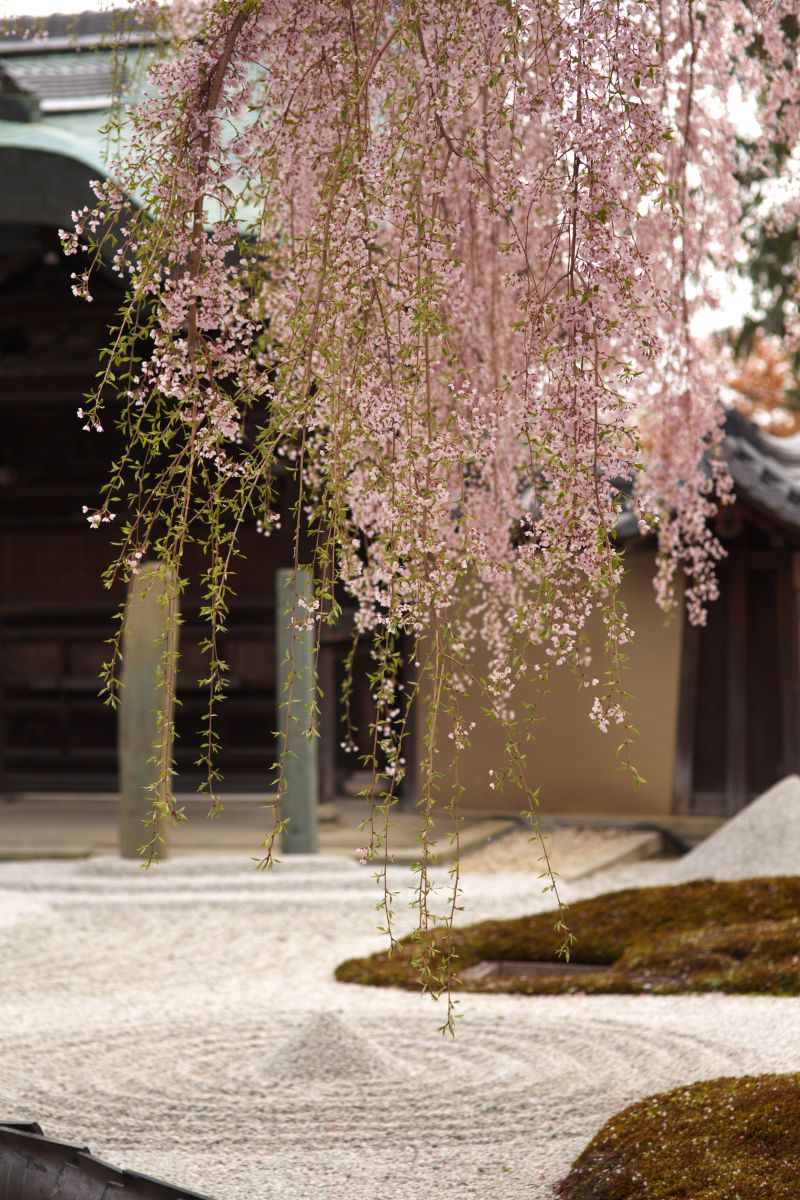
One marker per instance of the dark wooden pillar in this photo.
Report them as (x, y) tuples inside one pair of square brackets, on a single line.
[(791, 674), (328, 718), (736, 699), (687, 719), (409, 788)]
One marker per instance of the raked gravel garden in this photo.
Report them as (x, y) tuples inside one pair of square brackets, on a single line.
[(186, 1022)]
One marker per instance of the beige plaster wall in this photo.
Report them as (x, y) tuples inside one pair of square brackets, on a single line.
[(572, 762)]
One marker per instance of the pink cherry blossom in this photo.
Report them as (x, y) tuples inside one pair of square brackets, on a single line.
[(440, 262)]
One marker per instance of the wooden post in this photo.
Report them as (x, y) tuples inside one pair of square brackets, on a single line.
[(149, 641), (328, 719), (296, 683), (736, 757), (683, 768), (409, 788)]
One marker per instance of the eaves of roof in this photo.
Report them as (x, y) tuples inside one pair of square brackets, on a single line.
[(40, 137), (765, 469)]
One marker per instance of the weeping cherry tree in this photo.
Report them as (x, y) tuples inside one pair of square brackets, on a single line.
[(442, 263)]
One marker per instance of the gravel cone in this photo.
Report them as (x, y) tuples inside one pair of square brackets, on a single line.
[(762, 839)]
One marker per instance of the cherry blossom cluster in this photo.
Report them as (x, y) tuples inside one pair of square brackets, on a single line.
[(441, 262)]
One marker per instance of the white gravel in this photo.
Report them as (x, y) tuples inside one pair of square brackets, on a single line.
[(569, 847), (762, 839), (185, 1023)]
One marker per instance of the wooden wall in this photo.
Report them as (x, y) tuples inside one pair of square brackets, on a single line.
[(573, 763), (55, 615)]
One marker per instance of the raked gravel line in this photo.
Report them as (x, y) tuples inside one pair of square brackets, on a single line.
[(570, 848), (185, 1023)]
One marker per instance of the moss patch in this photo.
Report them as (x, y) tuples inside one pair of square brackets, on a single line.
[(728, 1139), (742, 936)]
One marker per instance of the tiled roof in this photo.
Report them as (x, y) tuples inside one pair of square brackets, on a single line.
[(69, 84), (765, 469), (67, 68), (32, 1165)]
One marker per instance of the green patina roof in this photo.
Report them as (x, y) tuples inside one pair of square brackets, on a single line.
[(57, 137), (75, 133), (72, 75), (56, 105)]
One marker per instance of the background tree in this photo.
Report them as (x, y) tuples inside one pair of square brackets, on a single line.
[(763, 383), (768, 333), (442, 261)]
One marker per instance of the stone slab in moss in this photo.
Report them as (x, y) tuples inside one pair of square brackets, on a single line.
[(724, 1139), (741, 936)]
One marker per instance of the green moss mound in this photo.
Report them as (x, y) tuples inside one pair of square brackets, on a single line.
[(728, 1139), (742, 936)]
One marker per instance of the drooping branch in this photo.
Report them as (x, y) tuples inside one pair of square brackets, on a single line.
[(443, 262)]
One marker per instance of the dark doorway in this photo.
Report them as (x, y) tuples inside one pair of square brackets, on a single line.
[(738, 730)]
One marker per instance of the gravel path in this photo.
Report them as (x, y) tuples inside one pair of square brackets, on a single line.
[(185, 1023), (568, 848)]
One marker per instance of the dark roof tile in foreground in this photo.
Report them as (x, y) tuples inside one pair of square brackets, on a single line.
[(33, 1166), (765, 469)]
